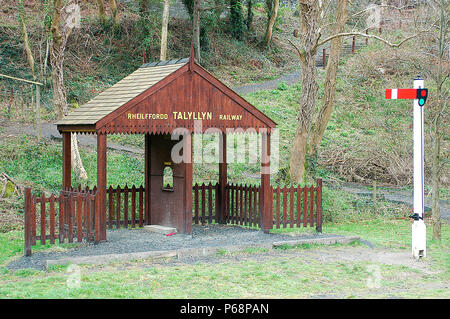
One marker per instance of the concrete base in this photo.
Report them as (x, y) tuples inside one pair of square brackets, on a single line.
[(193, 252), (160, 229)]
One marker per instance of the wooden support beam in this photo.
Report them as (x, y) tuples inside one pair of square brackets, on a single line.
[(147, 206), (187, 154), (265, 194), (67, 160), (28, 221), (101, 185), (222, 179)]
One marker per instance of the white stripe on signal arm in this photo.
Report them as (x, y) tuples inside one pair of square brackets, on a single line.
[(394, 93)]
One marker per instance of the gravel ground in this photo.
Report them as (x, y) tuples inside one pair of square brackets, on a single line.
[(138, 240)]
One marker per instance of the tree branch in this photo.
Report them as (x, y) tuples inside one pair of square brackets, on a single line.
[(296, 48)]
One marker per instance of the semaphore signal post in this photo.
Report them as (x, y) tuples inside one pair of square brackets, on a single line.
[(419, 96)]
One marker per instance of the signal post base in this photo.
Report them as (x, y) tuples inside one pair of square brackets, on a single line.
[(419, 237)]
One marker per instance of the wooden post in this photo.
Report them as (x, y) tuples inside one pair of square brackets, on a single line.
[(187, 156), (67, 170), (353, 44), (147, 217), (324, 57), (101, 185), (222, 179), (28, 219), (67, 158), (319, 205), (367, 39), (265, 195)]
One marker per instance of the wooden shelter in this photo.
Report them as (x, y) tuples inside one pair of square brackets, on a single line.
[(155, 100)]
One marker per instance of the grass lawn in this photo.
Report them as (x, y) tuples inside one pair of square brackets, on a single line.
[(308, 271)]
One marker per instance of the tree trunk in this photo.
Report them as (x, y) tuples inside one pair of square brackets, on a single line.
[(196, 29), (114, 13), (56, 61), (249, 14), (101, 12), (236, 19), (435, 176), (59, 39), (26, 42), (77, 164), (165, 24), (309, 14), (436, 129), (324, 115), (271, 22)]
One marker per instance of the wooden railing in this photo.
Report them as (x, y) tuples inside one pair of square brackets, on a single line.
[(243, 205), (71, 216), (298, 206)]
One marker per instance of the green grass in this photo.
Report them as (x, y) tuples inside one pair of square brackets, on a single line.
[(296, 272)]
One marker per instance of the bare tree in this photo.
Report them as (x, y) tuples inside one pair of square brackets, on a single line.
[(271, 22), (196, 29), (312, 25), (26, 43), (324, 114), (437, 68), (165, 24), (62, 26)]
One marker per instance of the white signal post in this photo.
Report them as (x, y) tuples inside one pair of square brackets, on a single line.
[(418, 245), (418, 226)]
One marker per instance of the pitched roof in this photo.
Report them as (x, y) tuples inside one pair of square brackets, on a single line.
[(122, 92)]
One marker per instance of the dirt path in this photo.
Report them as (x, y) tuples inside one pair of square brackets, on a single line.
[(397, 196)]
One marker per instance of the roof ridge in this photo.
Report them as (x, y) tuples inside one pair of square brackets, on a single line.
[(165, 62)]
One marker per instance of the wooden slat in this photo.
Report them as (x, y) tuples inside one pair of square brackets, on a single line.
[(255, 205), (125, 206), (79, 219), (311, 206), (196, 204), (291, 206), (305, 205), (299, 205), (241, 198), (250, 206), (245, 205), (203, 204), (87, 216), (52, 219), (141, 206), (210, 204), (33, 221), (43, 220), (133, 206), (278, 207), (232, 209), (62, 204), (118, 207), (110, 207), (69, 215)]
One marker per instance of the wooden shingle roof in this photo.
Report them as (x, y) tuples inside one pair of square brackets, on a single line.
[(122, 92), (162, 96)]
